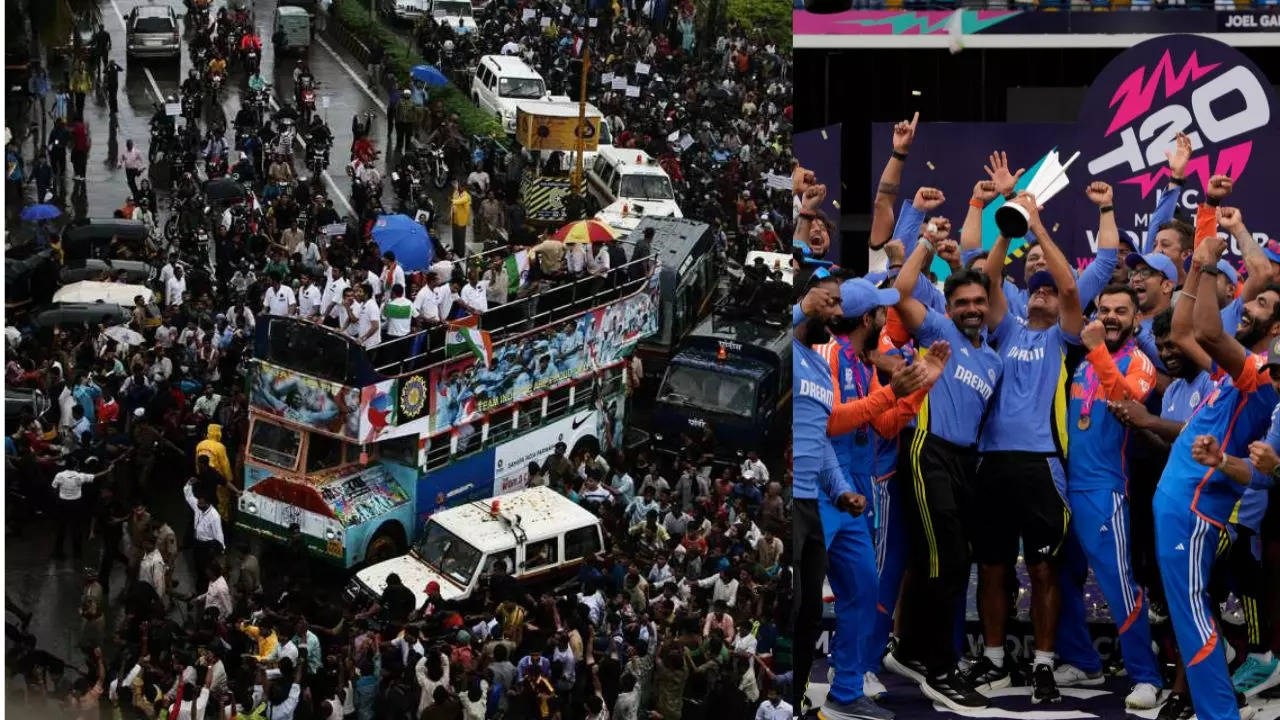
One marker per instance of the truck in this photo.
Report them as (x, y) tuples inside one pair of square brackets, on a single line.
[(732, 377), (547, 135), (358, 447)]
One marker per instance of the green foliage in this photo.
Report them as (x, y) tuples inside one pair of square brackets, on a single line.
[(401, 57), (770, 16)]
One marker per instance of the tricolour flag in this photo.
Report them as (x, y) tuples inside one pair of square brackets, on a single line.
[(465, 337), (517, 264)]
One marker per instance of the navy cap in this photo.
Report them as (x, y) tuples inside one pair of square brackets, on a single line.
[(1272, 249), (859, 297), (1156, 261), (1273, 354), (1039, 279)]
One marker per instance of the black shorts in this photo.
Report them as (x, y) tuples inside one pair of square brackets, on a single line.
[(936, 484), (1269, 528), (1017, 497)]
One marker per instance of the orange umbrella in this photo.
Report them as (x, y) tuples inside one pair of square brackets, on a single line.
[(585, 231)]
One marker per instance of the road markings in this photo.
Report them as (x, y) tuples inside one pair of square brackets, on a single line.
[(323, 173), (359, 81), (155, 86)]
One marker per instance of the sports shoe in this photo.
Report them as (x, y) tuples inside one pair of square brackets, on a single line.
[(1176, 707), (1157, 612), (1068, 675), (1256, 675), (872, 687), (913, 670), (1043, 686), (864, 708), (1114, 666), (984, 674), (953, 691), (1231, 653), (1143, 697)]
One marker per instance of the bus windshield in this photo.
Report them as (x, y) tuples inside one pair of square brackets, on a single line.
[(275, 445), (449, 554), (709, 390)]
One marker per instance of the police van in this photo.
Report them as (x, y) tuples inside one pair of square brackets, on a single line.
[(537, 535), (625, 185)]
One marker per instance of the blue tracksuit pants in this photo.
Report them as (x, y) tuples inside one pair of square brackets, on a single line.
[(1186, 548), (851, 570), (1099, 538), (891, 562)]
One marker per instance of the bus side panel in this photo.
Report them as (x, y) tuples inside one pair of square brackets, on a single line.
[(254, 474), (463, 480), (358, 537)]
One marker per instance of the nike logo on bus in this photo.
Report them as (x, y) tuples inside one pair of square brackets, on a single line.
[(578, 422)]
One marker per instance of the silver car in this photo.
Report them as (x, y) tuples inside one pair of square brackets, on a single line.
[(153, 32)]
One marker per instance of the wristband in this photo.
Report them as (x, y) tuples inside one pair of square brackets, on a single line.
[(1010, 195), (1106, 209), (1177, 181), (929, 245), (976, 203), (1212, 202), (809, 215), (899, 156)]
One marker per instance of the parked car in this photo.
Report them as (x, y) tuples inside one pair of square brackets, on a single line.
[(135, 271), (80, 312), (81, 29), (406, 10), (152, 31)]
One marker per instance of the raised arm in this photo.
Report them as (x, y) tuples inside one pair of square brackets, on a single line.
[(911, 311), (1255, 260), (1098, 274), (1182, 326), (890, 180), (1221, 347), (1133, 384), (997, 303), (1167, 203), (984, 191), (1071, 317)]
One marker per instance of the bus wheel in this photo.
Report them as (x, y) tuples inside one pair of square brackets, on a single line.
[(387, 544)]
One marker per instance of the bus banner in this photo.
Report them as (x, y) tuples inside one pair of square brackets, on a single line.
[(462, 390), (511, 460), (319, 404)]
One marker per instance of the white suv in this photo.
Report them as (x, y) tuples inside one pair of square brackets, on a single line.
[(627, 185), (501, 82)]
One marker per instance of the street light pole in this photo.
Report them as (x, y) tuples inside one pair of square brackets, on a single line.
[(576, 185)]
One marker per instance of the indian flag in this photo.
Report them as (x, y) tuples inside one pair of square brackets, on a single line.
[(517, 265), (464, 337)]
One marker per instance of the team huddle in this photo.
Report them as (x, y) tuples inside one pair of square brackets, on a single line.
[(1121, 419)]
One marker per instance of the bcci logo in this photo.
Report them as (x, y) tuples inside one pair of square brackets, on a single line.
[(413, 397)]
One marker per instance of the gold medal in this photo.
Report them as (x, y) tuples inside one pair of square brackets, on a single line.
[(1084, 422)]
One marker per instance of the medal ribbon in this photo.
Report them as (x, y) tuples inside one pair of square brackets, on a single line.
[(1092, 381)]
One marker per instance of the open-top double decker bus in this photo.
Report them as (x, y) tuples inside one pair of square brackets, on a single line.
[(359, 446)]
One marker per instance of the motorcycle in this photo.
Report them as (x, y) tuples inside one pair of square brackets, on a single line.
[(437, 168), (216, 166), (191, 107), (213, 84), (406, 180), (318, 156), (286, 132), (306, 100), (162, 142), (251, 60)]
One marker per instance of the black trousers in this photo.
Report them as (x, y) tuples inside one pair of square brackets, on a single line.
[(70, 521), (809, 559)]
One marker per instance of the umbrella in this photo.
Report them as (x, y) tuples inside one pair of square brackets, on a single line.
[(404, 237), (33, 213), (223, 188), (585, 231), (124, 335), (429, 74)]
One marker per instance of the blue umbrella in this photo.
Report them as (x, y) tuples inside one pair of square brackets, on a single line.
[(404, 237), (35, 213), (429, 74)]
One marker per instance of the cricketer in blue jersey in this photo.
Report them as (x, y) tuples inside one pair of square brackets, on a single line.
[(1201, 487)]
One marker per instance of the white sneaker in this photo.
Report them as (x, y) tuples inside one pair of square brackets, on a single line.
[(872, 687), (1067, 675), (1231, 653), (1144, 696), (1247, 712)]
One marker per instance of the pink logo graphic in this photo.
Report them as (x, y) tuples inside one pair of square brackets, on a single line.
[(1137, 91), (1231, 162)]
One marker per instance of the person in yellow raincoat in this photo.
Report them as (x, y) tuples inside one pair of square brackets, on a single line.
[(217, 452), (81, 85)]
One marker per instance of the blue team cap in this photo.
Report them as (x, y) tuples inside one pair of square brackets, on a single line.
[(1039, 279), (859, 297), (1273, 356), (1156, 261)]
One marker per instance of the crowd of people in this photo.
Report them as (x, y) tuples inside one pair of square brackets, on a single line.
[(131, 447), (1122, 420)]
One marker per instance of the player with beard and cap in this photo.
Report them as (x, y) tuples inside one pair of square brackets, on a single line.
[(937, 465), (1257, 261), (855, 429), (1200, 490), (1097, 494), (1020, 476), (1153, 278), (821, 492)]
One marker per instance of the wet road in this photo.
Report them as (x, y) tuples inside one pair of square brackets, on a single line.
[(145, 82)]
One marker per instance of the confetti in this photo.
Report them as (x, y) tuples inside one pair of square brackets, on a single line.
[(824, 134), (931, 167), (836, 204), (1055, 227)]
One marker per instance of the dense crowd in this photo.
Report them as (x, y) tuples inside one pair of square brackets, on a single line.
[(133, 446), (1116, 426)]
